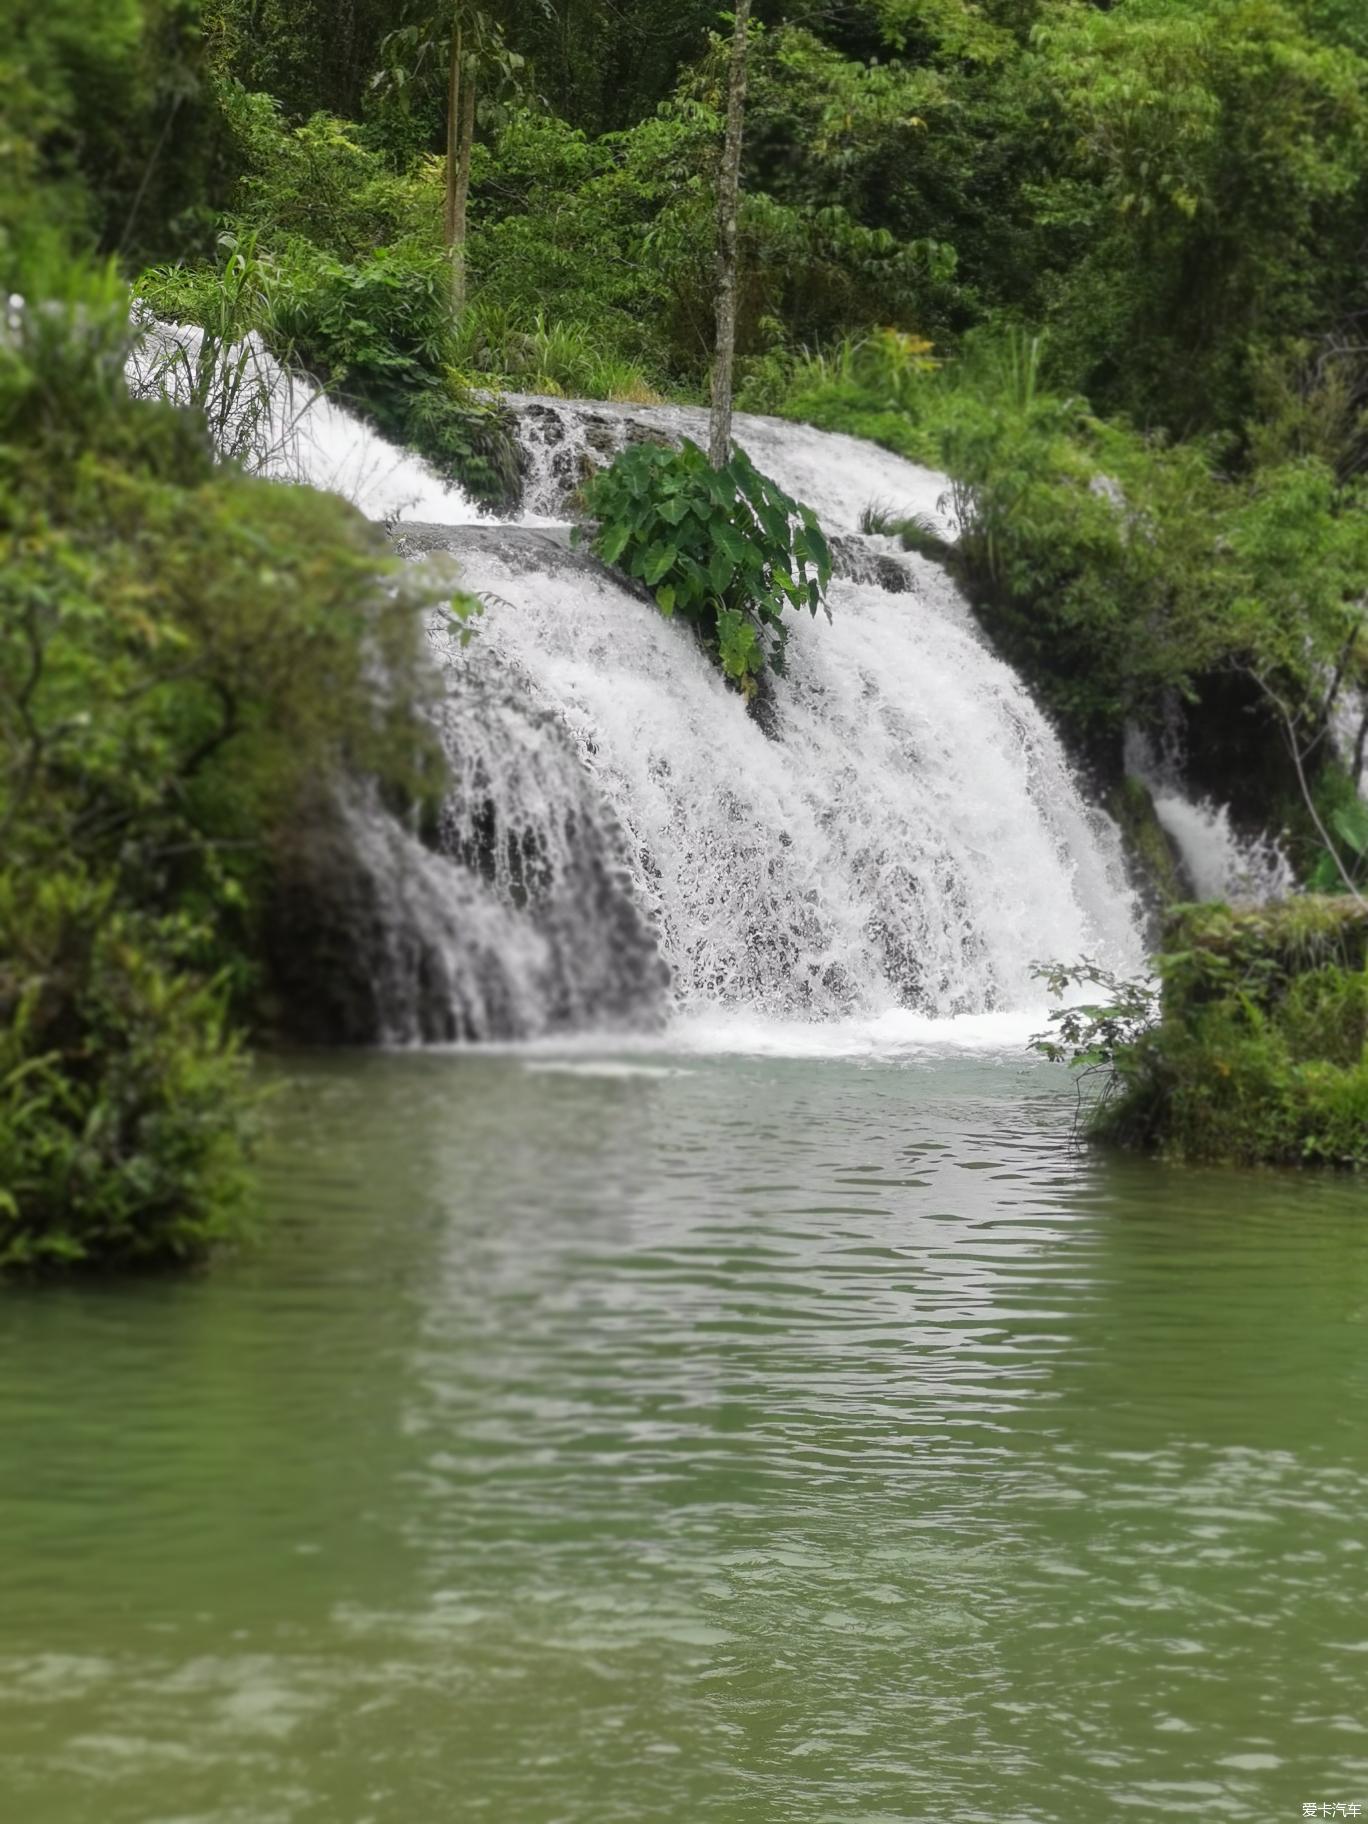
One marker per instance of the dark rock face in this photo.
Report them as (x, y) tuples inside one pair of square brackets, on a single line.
[(852, 559), (361, 939), (1153, 865), (323, 939), (498, 935), (1235, 752), (534, 548)]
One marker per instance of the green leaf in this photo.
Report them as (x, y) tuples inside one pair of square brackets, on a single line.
[(1350, 824), (660, 560), (613, 542), (727, 549), (737, 547), (738, 646)]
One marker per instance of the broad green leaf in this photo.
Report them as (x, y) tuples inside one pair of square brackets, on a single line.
[(660, 560), (613, 542), (1350, 824), (737, 547)]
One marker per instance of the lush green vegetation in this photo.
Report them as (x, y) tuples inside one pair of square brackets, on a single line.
[(1101, 263), (724, 548), (186, 659), (1130, 234), (187, 667), (1251, 1047), (1121, 571)]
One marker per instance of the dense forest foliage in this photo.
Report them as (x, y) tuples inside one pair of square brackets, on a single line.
[(1075, 255), (1103, 263), (1045, 244)]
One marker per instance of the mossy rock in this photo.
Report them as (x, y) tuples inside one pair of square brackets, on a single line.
[(1150, 854), (1294, 936)]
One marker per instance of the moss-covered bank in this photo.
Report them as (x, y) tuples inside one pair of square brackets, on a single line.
[(1259, 1052)]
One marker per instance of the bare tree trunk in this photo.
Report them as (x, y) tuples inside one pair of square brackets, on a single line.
[(728, 209), (462, 196), (453, 132)]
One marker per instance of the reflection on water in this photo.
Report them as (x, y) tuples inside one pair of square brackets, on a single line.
[(692, 1439)]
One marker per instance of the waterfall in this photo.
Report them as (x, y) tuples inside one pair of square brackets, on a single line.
[(1220, 863), (835, 475), (623, 842), (277, 424), (1217, 860), (906, 834)]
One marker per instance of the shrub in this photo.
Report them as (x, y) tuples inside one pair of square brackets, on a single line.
[(323, 183), (1250, 1047), (726, 549), (377, 331), (1118, 571), (124, 1104), (185, 655), (605, 239), (504, 345)]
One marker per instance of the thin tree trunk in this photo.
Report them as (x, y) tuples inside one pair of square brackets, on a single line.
[(453, 133), (1299, 753), (462, 198), (728, 209), (342, 98)]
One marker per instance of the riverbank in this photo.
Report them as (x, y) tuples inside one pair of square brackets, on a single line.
[(1259, 1052)]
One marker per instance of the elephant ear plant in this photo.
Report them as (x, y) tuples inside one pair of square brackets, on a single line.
[(726, 548)]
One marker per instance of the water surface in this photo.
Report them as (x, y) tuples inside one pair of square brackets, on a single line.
[(697, 1438)]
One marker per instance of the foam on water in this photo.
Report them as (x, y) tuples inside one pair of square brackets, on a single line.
[(900, 1033)]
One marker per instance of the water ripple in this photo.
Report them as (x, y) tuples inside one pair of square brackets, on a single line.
[(756, 1439)]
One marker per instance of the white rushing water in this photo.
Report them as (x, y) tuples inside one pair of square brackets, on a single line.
[(1217, 860), (839, 477), (898, 846), (281, 426), (908, 836)]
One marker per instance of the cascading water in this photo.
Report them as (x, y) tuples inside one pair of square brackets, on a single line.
[(280, 426), (1218, 862), (907, 835), (839, 477), (622, 838)]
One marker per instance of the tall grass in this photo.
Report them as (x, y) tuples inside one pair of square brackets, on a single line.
[(499, 344)]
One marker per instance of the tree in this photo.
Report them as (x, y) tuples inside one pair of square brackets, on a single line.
[(478, 61), (108, 136), (728, 209), (1208, 174)]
